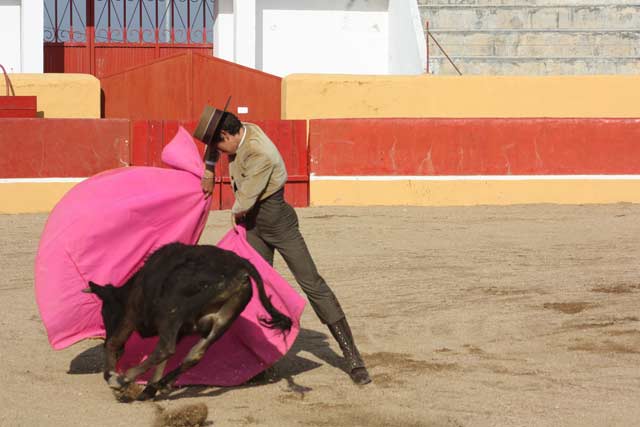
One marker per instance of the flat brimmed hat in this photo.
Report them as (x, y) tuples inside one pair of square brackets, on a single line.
[(210, 123)]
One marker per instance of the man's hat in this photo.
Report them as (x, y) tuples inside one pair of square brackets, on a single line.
[(210, 123)]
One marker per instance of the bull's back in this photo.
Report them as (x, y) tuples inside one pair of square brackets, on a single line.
[(183, 278)]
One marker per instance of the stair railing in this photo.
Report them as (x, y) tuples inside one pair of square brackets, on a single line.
[(428, 34)]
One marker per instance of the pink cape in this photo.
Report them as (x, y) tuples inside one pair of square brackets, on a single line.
[(104, 228)]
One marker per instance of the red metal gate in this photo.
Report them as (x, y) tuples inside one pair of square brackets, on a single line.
[(102, 37)]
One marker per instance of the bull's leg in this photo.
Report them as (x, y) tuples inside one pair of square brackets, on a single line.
[(159, 372), (165, 348), (112, 349), (217, 324)]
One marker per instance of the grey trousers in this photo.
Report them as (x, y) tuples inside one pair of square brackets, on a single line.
[(272, 224)]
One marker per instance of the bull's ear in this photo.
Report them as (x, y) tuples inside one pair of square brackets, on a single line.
[(92, 289)]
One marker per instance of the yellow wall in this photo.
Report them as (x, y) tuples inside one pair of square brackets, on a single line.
[(59, 95), (42, 197), (466, 193), (28, 197), (312, 96)]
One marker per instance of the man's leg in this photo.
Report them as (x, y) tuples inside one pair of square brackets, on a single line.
[(262, 247), (284, 235)]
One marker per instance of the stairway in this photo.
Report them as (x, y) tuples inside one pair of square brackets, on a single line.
[(534, 37)]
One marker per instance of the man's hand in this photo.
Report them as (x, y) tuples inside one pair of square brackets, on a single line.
[(208, 179), (235, 218)]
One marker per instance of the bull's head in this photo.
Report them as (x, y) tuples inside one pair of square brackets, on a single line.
[(113, 304)]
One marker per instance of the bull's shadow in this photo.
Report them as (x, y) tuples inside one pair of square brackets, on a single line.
[(91, 361)]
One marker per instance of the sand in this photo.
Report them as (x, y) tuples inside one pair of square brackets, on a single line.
[(478, 316)]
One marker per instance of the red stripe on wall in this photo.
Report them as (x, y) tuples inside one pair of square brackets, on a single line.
[(474, 146), (35, 148)]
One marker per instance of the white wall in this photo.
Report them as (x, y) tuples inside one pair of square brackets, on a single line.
[(223, 30), (10, 52), (282, 37), (32, 19), (407, 43), (322, 36), (21, 34)]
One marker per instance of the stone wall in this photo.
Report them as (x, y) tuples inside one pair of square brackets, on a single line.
[(534, 37)]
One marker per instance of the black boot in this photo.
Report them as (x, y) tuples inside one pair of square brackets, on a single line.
[(342, 333)]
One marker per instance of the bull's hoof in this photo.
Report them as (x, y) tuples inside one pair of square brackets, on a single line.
[(149, 392), (360, 376), (108, 374), (117, 382), (128, 393)]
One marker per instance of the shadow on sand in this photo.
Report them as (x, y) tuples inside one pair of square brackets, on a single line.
[(91, 361)]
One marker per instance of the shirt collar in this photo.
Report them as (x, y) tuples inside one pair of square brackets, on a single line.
[(244, 135)]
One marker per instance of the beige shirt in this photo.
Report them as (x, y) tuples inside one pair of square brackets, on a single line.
[(257, 169)]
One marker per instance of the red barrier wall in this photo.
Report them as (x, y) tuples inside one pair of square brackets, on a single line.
[(34, 148), (150, 136), (178, 87), (474, 146), (18, 106)]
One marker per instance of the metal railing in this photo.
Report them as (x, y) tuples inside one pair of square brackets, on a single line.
[(429, 35)]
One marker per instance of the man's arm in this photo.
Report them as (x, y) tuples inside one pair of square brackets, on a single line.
[(258, 175), (208, 177)]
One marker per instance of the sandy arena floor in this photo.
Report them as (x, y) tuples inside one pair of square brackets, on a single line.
[(482, 316)]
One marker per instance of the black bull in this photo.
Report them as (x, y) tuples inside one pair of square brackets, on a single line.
[(181, 289)]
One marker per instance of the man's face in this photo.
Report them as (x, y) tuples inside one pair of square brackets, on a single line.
[(229, 143)]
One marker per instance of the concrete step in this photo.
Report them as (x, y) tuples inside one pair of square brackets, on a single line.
[(535, 66), (540, 43), (472, 17)]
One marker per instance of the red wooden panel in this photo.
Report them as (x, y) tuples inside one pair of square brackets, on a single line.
[(474, 146), (18, 106), (67, 58), (168, 50), (110, 59), (159, 90), (178, 88), (147, 141), (155, 143), (62, 147), (214, 80), (226, 195), (139, 142)]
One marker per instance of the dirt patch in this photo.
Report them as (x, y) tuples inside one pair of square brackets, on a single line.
[(404, 362), (605, 347), (567, 307), (622, 288), (192, 415)]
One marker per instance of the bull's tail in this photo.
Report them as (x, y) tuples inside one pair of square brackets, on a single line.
[(278, 320)]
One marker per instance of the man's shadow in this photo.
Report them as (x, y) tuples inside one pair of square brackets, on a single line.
[(91, 361)]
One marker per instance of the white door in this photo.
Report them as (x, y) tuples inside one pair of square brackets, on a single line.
[(10, 35)]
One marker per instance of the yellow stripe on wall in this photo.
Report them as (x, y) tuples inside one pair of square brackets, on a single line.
[(315, 96), (470, 192), (30, 197)]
